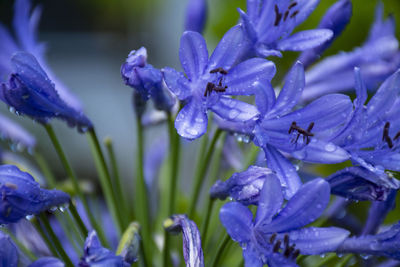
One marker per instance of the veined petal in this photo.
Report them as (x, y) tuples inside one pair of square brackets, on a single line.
[(240, 80), (285, 171), (251, 258), (384, 98), (230, 49), (291, 91), (234, 110), (270, 201), (303, 208), (305, 40), (8, 251), (319, 151), (177, 83), (47, 262), (253, 9), (313, 240), (248, 25), (193, 54), (191, 122), (237, 220), (264, 97)]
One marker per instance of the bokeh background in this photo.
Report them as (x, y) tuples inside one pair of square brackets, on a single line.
[(87, 41)]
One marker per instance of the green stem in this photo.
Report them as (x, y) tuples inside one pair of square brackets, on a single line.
[(201, 171), (142, 203), (20, 245), (327, 259), (206, 221), (46, 239), (68, 226), (344, 261), (78, 220), (220, 250), (105, 180), (118, 191), (74, 180), (45, 221)]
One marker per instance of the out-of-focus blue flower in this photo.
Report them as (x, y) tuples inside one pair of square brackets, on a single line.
[(47, 262), (196, 15), (146, 80), (95, 255), (14, 132), (269, 24), (8, 251), (335, 19), (386, 244), (243, 187), (357, 183), (378, 212), (276, 236), (302, 132), (209, 82), (25, 26), (30, 92), (21, 195), (377, 58), (192, 251), (370, 132)]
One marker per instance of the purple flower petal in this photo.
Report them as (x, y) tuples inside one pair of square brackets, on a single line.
[(251, 258), (8, 251), (303, 208), (305, 40), (191, 121), (234, 110), (270, 201), (229, 50), (248, 25), (285, 171), (240, 80), (264, 97), (319, 151), (177, 83), (291, 91), (237, 220), (47, 262), (196, 14), (193, 54), (312, 240)]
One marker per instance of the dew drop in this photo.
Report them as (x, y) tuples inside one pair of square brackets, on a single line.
[(330, 147)]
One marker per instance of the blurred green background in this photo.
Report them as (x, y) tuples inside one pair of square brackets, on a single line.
[(89, 40)]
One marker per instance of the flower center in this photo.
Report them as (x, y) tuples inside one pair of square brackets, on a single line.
[(285, 15), (300, 131), (218, 85)]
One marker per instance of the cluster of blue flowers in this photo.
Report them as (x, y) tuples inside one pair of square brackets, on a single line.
[(278, 206)]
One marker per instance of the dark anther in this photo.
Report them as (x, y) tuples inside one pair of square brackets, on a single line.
[(209, 89), (212, 87), (277, 246), (287, 252), (386, 137), (306, 133), (295, 254), (285, 15), (278, 16), (396, 136), (292, 5), (286, 240), (220, 70), (272, 238), (294, 14)]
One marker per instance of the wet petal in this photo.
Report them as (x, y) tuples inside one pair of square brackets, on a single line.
[(305, 40), (303, 208), (240, 80), (177, 83), (191, 122), (319, 151), (312, 240), (237, 220), (264, 97), (193, 54), (285, 171), (271, 200), (251, 258), (234, 110)]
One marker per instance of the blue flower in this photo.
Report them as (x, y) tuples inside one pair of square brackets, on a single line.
[(210, 81), (276, 236), (14, 132), (196, 15), (146, 80), (30, 92), (386, 244), (21, 195), (8, 251), (268, 25), (95, 255), (336, 19), (47, 262), (25, 28), (192, 252), (377, 58)]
